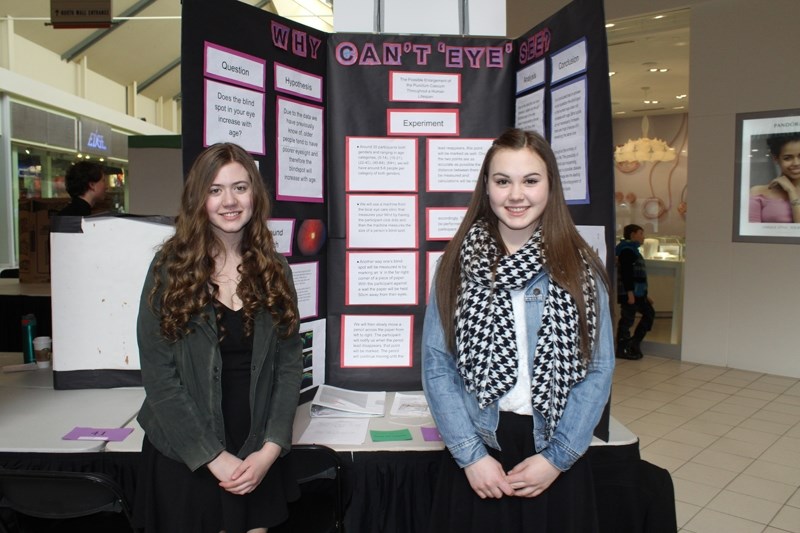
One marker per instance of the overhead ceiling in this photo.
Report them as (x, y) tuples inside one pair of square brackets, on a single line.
[(144, 43), (637, 45), (143, 46)]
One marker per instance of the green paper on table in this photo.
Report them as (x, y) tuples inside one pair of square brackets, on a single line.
[(386, 436)]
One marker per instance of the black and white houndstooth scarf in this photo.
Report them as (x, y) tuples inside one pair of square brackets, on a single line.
[(485, 335)]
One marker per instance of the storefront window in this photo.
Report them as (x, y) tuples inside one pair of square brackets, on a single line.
[(116, 194), (44, 144), (57, 182), (29, 173), (42, 174)]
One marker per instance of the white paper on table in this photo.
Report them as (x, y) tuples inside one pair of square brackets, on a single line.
[(335, 431), (363, 403), (410, 405)]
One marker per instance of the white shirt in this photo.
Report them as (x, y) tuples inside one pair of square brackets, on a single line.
[(518, 399)]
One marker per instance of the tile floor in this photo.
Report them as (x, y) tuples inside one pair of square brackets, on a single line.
[(730, 438)]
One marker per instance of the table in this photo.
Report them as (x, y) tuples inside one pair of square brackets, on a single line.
[(384, 423), (34, 420), (389, 485), (34, 416), (302, 418), (39, 378), (13, 287), (619, 435), (385, 491), (132, 443)]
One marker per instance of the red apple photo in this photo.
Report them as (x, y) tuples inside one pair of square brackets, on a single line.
[(311, 236)]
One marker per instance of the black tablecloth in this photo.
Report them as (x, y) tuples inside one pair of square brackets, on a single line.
[(632, 495), (388, 492), (391, 492)]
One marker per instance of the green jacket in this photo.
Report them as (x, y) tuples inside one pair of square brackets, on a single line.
[(182, 410)]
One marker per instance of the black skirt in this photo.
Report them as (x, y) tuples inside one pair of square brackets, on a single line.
[(171, 498), (568, 505)]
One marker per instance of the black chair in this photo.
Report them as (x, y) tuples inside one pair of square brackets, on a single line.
[(46, 500), (320, 509)]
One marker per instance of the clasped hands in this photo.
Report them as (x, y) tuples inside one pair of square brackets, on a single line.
[(528, 479), (241, 476)]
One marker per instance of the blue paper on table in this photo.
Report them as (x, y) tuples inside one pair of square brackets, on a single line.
[(106, 434)]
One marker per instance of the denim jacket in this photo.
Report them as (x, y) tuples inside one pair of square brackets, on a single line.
[(467, 429), (182, 410)]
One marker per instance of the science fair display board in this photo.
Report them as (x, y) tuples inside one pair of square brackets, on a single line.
[(371, 146)]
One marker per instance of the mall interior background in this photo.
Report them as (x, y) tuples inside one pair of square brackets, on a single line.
[(737, 299)]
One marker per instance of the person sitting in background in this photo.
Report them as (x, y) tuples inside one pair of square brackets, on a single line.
[(632, 293), (779, 200), (86, 186)]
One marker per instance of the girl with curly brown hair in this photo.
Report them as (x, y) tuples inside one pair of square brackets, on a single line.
[(221, 359)]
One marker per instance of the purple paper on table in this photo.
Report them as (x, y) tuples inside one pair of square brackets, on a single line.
[(430, 434), (106, 434)]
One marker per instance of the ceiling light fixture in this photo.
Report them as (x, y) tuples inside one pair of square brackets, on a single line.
[(644, 148), (646, 99)]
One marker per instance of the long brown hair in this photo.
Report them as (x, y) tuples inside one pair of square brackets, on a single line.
[(564, 248), (183, 286)]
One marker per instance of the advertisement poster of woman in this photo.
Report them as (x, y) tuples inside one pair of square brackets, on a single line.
[(768, 177)]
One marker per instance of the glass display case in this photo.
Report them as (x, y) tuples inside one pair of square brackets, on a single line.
[(665, 256), (664, 248)]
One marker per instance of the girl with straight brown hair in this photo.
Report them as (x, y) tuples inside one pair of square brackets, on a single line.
[(518, 353)]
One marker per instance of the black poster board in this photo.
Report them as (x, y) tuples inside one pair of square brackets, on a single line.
[(256, 79), (375, 85), (581, 21), (371, 77)]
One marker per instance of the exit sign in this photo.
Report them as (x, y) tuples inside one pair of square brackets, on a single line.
[(80, 13)]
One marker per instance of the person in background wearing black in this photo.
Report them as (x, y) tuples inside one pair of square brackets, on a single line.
[(86, 186), (632, 294)]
